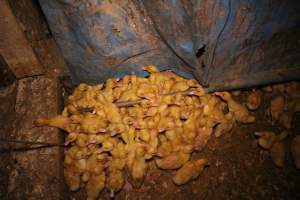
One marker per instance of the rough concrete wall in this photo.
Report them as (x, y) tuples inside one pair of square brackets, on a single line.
[(35, 28), (14, 46), (6, 75), (30, 19), (7, 117), (26, 43), (36, 172)]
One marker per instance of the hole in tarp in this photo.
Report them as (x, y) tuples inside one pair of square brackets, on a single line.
[(201, 51)]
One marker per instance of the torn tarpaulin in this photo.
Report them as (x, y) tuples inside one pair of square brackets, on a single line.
[(101, 39)]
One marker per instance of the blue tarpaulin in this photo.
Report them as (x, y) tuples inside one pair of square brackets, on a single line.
[(222, 43)]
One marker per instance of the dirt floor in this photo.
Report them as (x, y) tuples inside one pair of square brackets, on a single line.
[(238, 168)]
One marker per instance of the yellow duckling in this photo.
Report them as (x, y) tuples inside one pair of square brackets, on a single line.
[(95, 185), (241, 113), (172, 161), (58, 122), (189, 171)]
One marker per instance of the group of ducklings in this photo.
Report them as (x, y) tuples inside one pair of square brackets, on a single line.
[(285, 102), (115, 129)]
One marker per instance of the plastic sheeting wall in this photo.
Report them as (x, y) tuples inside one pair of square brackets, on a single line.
[(244, 42)]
